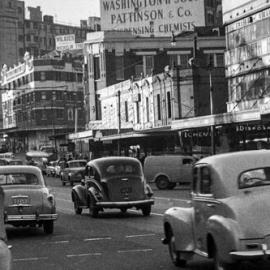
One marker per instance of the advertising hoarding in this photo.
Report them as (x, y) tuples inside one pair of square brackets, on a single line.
[(64, 42), (152, 17)]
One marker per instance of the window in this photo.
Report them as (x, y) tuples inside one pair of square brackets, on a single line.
[(43, 96), (220, 59), (43, 76), (149, 64), (158, 107), (43, 114), (169, 108), (254, 178), (126, 110), (119, 67), (147, 109), (138, 111), (96, 68), (60, 114), (70, 114), (205, 182)]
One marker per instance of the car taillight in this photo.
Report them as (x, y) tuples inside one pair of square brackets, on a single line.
[(51, 199)]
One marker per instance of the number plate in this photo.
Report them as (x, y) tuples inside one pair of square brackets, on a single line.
[(19, 201), (126, 190)]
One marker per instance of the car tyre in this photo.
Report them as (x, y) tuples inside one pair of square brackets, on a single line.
[(162, 182), (77, 209), (48, 226), (146, 210), (218, 264), (93, 210), (174, 254)]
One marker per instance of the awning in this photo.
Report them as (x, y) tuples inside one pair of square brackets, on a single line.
[(87, 134), (216, 119), (122, 136)]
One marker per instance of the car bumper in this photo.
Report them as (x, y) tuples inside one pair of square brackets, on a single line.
[(40, 217), (140, 203), (250, 255)]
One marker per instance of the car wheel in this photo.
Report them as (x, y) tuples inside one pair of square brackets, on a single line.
[(70, 181), (93, 210), (174, 254), (218, 264), (162, 182), (146, 210), (48, 226), (77, 209)]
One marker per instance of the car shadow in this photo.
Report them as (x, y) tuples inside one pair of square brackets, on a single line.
[(111, 214)]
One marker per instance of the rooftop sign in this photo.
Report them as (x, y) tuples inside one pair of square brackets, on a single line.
[(64, 42), (152, 17)]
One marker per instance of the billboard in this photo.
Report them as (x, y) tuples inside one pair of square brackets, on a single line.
[(152, 17), (65, 42)]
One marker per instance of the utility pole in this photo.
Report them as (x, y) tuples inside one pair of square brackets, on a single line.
[(210, 67), (119, 122)]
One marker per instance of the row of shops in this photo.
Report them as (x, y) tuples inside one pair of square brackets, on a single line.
[(243, 130)]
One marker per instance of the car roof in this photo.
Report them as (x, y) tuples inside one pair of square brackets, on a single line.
[(227, 167), (37, 154), (76, 160)]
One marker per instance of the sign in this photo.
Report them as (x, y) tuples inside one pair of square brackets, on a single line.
[(265, 108), (152, 17), (65, 42)]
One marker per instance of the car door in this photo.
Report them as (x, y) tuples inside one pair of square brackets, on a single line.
[(186, 169), (204, 203)]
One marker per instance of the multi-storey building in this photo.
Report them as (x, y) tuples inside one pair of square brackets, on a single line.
[(35, 34), (42, 101)]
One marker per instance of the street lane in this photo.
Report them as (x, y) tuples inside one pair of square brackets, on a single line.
[(112, 241)]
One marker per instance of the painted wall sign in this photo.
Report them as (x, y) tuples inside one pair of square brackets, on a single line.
[(64, 42), (152, 17)]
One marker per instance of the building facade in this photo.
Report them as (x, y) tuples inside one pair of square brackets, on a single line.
[(42, 101), (112, 57)]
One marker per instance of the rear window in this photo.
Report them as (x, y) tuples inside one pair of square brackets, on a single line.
[(254, 178), (18, 179), (122, 168)]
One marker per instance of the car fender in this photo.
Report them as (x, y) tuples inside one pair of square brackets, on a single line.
[(180, 221), (225, 233), (79, 192)]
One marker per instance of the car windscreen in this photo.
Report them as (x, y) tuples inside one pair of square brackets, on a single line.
[(76, 164), (18, 179), (255, 177), (122, 168), (15, 162)]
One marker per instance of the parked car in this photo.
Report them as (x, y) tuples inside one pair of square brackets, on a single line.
[(168, 170), (51, 168), (73, 171), (228, 216), (38, 159), (4, 161), (113, 182), (27, 199), (5, 254)]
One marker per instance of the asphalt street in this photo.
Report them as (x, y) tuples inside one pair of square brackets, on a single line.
[(112, 241)]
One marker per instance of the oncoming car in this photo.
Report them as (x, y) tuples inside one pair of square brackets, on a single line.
[(28, 201), (73, 171), (113, 182), (228, 216)]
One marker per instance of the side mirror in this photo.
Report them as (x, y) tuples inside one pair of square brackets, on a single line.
[(83, 182)]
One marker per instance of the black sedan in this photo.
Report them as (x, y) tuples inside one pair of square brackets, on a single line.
[(113, 182)]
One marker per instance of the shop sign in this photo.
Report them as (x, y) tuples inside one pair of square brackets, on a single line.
[(152, 17), (256, 128), (64, 42)]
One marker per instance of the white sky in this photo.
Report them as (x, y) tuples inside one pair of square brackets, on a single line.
[(67, 11)]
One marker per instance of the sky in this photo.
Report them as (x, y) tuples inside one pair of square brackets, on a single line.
[(67, 11)]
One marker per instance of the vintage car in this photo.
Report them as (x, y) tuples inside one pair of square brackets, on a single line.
[(51, 168), (5, 254), (73, 171), (113, 182), (27, 199), (228, 216), (38, 159), (60, 165)]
